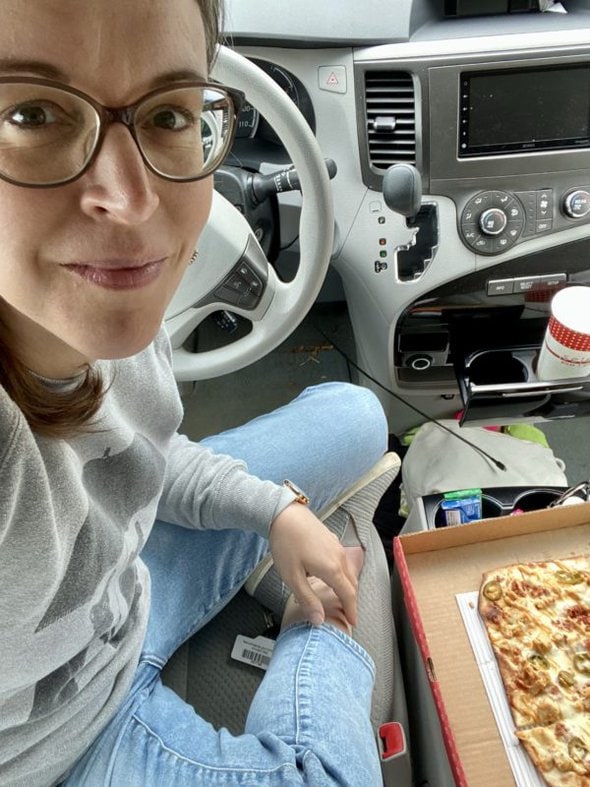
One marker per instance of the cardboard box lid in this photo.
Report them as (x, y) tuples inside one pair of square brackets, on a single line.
[(434, 566)]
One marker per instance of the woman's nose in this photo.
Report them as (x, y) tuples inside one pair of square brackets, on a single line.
[(118, 185)]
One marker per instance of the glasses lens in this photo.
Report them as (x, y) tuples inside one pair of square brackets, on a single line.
[(185, 133), (47, 134)]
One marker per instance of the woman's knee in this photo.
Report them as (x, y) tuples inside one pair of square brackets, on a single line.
[(352, 413)]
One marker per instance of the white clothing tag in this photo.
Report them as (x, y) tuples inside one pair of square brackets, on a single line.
[(256, 652)]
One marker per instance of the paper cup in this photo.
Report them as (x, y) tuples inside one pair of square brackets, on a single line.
[(565, 351)]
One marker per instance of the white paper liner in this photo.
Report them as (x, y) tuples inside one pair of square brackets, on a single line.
[(525, 773)]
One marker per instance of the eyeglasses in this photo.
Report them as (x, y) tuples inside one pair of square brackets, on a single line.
[(50, 133)]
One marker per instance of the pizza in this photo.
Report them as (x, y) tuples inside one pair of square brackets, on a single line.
[(537, 616)]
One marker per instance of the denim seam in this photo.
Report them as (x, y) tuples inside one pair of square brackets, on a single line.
[(149, 731), (302, 670)]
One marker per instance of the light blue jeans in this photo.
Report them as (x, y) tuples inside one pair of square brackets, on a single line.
[(309, 721)]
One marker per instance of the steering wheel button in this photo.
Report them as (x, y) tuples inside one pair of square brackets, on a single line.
[(252, 279), (248, 301), (227, 295), (236, 283)]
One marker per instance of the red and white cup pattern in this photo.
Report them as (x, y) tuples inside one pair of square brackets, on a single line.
[(565, 351)]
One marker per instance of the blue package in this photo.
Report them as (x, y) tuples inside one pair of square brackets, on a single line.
[(458, 511)]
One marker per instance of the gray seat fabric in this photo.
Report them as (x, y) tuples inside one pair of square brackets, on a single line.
[(221, 689)]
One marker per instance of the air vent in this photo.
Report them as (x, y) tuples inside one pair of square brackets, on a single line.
[(391, 118)]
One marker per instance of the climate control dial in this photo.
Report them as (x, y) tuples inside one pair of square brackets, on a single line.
[(576, 204), (492, 222)]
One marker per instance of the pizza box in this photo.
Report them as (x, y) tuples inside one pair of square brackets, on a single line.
[(435, 566)]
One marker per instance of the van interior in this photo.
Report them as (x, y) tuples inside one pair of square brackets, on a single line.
[(408, 189)]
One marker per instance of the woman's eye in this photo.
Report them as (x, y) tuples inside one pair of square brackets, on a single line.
[(32, 116), (172, 119)]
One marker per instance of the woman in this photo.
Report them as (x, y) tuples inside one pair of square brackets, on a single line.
[(100, 211)]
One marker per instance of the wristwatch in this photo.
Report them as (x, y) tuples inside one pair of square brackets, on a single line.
[(300, 496)]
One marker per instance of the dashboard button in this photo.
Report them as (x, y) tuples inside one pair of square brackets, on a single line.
[(514, 211), (500, 198), (513, 230), (527, 284), (332, 79), (545, 204), (544, 226), (554, 280), (503, 243), (500, 287), (485, 245)]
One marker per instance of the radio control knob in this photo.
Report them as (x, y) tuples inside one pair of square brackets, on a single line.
[(493, 221), (576, 204)]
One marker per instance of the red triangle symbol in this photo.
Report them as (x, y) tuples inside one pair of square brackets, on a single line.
[(332, 79)]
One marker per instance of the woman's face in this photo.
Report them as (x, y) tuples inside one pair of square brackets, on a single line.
[(87, 269)]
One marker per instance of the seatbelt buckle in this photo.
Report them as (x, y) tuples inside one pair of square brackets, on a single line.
[(396, 766)]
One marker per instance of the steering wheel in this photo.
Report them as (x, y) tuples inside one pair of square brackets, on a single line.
[(232, 272)]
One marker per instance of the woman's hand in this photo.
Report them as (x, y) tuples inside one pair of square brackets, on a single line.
[(302, 546)]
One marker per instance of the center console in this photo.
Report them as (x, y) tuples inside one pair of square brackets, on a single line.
[(502, 134)]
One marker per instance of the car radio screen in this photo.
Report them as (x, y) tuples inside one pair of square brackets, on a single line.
[(515, 111)]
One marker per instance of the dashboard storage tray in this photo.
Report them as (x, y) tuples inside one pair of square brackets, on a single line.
[(500, 386)]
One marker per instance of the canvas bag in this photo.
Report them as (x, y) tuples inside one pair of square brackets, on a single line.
[(436, 461)]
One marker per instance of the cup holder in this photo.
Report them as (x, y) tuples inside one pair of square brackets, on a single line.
[(536, 500), (489, 509), (496, 367)]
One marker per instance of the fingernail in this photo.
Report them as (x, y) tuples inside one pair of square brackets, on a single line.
[(316, 618)]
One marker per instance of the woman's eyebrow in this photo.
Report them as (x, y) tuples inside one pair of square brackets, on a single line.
[(47, 70), (179, 75), (39, 67)]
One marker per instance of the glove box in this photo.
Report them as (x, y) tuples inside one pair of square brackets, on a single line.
[(499, 386)]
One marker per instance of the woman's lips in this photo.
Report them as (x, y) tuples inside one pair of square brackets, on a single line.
[(122, 275)]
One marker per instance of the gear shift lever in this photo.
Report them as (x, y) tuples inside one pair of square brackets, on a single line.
[(402, 189), (402, 192)]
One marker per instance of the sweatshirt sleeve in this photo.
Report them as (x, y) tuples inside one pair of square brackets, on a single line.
[(207, 490)]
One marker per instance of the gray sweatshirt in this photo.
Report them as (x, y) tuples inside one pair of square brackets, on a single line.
[(74, 593)]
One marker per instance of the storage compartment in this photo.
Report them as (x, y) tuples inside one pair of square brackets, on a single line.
[(496, 502), (482, 333), (500, 386)]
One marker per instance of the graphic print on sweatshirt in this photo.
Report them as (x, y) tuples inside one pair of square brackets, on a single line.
[(119, 486)]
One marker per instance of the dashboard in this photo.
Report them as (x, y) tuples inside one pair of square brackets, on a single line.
[(490, 114), (251, 125)]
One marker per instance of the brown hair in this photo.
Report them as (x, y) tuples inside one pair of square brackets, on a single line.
[(63, 413)]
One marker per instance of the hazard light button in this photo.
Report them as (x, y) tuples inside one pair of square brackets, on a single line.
[(332, 78)]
